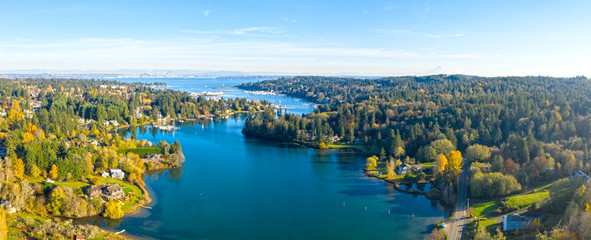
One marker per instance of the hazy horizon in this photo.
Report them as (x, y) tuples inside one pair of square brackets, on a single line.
[(378, 38)]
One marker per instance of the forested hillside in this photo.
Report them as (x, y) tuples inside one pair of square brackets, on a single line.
[(518, 132)]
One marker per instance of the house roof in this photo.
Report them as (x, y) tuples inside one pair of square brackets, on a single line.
[(109, 191), (581, 174), (519, 218)]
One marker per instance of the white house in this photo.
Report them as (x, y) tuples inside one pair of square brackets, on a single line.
[(402, 169), (117, 174)]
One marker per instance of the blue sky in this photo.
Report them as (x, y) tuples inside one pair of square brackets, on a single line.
[(490, 38)]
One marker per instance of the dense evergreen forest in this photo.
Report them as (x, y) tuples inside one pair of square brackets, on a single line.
[(518, 132)]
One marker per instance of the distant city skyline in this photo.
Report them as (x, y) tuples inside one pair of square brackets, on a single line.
[(374, 38)]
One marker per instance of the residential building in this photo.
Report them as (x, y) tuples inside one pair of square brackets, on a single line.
[(112, 191), (117, 174), (516, 222)]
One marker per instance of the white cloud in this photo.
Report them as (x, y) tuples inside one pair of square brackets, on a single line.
[(238, 31), (241, 31), (413, 33), (206, 13)]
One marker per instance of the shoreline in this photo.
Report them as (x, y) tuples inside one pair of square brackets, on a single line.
[(397, 182), (181, 118)]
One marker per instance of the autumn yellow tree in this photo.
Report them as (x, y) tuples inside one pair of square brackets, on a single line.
[(440, 163), (53, 172), (390, 169), (32, 133), (19, 168), (536, 224), (3, 225), (455, 162), (14, 114), (113, 209), (372, 163), (571, 164)]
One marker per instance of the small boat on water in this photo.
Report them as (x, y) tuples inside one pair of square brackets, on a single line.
[(165, 127)]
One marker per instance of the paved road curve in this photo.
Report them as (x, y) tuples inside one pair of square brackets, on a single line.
[(455, 227)]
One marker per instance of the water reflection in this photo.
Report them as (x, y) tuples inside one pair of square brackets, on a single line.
[(175, 174)]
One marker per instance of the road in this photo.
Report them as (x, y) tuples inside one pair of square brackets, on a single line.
[(455, 227)]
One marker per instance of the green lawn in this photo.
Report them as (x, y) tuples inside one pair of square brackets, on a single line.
[(142, 152), (484, 209), (544, 187), (358, 147), (526, 200), (487, 225), (428, 165), (384, 175), (73, 185)]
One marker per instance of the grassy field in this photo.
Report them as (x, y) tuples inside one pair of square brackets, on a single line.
[(358, 147), (484, 209), (544, 187), (73, 185), (487, 225), (526, 200), (142, 152), (428, 165)]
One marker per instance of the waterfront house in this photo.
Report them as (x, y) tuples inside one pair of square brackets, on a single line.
[(155, 158), (516, 222), (112, 191), (402, 169), (416, 168)]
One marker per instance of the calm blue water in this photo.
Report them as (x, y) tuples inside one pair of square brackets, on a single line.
[(232, 187), (199, 85)]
